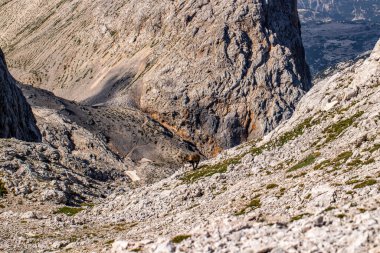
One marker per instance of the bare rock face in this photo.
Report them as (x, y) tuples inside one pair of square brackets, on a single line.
[(16, 117), (237, 70), (214, 72)]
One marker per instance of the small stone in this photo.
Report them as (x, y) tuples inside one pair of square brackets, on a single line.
[(29, 215)]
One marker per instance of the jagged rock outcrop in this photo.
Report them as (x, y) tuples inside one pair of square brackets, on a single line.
[(16, 116), (339, 10), (214, 72)]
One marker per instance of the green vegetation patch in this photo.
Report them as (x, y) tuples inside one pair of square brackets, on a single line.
[(300, 175), (306, 162), (368, 182), (180, 238), (109, 242), (374, 148), (353, 181), (69, 211), (332, 132), (272, 186), (358, 162), (258, 150), (296, 132), (209, 170), (336, 162), (330, 208), (298, 217), (3, 190), (286, 137), (253, 204)]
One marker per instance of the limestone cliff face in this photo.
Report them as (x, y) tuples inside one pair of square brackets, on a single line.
[(215, 72), (16, 117)]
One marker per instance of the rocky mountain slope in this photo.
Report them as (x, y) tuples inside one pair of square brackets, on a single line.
[(310, 185), (215, 73), (148, 148), (16, 117), (84, 153), (339, 10)]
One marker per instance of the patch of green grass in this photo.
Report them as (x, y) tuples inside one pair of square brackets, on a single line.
[(69, 211), (109, 242), (180, 238), (357, 162), (272, 186), (209, 170), (91, 205), (374, 148), (286, 137), (136, 250), (298, 217), (330, 208), (296, 132), (253, 204), (366, 183), (353, 181), (3, 190), (370, 161), (341, 216), (342, 158), (336, 163), (332, 132), (300, 175), (306, 162), (257, 150)]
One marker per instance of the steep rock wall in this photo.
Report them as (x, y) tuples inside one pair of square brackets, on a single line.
[(16, 117)]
